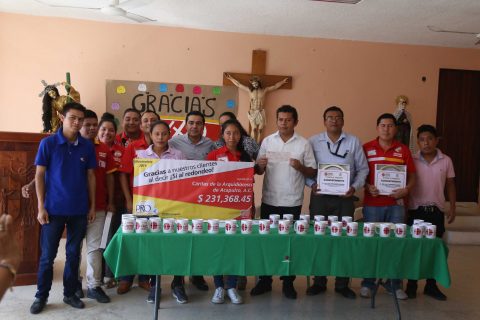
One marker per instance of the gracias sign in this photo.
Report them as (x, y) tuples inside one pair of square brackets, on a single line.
[(172, 101)]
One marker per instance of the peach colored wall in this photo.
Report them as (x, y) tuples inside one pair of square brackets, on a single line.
[(361, 77)]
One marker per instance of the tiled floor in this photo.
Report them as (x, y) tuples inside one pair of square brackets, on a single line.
[(463, 302)]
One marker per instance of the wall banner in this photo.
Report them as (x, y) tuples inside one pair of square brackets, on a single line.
[(172, 101)]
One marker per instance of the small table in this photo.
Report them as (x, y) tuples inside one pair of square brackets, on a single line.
[(276, 254)]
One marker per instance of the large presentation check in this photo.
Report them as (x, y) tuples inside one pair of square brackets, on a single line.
[(192, 189)]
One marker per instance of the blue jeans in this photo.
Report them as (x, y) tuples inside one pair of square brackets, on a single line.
[(51, 234), (231, 282), (395, 214)]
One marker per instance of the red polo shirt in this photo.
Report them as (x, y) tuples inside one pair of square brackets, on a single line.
[(398, 153), (117, 151), (223, 154), (105, 165), (123, 140), (130, 154)]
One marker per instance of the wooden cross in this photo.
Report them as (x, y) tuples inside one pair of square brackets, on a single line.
[(259, 65), (256, 114)]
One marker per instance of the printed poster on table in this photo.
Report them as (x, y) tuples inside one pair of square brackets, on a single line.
[(192, 189), (333, 178), (389, 177)]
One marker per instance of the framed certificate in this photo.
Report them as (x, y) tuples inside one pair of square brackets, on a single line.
[(333, 178), (389, 177)]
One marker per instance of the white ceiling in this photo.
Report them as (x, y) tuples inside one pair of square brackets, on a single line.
[(391, 21)]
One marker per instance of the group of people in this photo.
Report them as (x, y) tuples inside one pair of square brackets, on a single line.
[(85, 169)]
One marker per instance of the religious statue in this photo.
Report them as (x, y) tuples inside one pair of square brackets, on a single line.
[(53, 102), (256, 114), (404, 121)]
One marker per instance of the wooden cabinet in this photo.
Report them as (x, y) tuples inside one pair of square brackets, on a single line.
[(17, 156)]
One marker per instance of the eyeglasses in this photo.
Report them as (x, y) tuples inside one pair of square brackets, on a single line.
[(336, 151), (334, 118)]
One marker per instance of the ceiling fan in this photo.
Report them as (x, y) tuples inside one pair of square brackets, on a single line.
[(113, 9), (436, 29)]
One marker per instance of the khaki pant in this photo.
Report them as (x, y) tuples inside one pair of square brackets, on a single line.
[(94, 253)]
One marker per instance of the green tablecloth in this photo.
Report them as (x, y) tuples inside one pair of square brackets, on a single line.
[(275, 254)]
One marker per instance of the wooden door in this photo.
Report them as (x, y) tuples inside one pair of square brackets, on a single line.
[(17, 155), (458, 123)]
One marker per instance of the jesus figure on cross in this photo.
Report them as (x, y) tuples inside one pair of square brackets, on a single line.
[(256, 114)]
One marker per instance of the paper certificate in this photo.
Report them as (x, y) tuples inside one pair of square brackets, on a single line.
[(333, 178), (389, 177), (273, 156)]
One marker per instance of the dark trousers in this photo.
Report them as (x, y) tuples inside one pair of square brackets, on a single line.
[(265, 211), (428, 214), (51, 234), (331, 205)]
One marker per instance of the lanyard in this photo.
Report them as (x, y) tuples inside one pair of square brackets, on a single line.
[(336, 151)]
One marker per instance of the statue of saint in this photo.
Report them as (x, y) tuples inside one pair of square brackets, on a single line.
[(256, 114), (404, 121), (52, 105)]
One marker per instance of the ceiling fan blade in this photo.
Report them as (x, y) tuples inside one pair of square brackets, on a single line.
[(137, 18), (477, 43), (132, 4), (60, 6), (435, 29)]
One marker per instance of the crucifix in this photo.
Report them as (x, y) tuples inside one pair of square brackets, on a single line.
[(259, 85)]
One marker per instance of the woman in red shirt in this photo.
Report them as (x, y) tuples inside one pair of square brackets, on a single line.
[(231, 151), (107, 130)]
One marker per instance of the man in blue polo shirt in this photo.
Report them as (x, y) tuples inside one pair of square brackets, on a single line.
[(65, 186)]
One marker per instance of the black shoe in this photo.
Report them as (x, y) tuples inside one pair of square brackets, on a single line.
[(178, 293), (434, 292), (261, 287), (98, 294), (79, 293), (411, 291), (151, 295), (315, 289), (288, 290), (74, 301), (38, 305), (346, 292), (199, 283)]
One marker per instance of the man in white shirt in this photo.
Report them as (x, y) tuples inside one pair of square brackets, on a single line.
[(286, 159)]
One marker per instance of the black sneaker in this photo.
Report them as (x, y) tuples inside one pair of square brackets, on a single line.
[(315, 289), (98, 294), (178, 293), (261, 288), (411, 291), (74, 301), (151, 295), (38, 305), (288, 290), (79, 293), (346, 292), (434, 292), (199, 283)]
